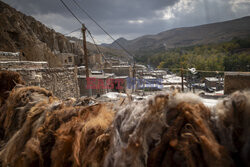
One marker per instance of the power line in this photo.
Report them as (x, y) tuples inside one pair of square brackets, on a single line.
[(205, 71), (71, 12), (72, 31), (81, 24), (94, 42), (96, 24), (83, 10)]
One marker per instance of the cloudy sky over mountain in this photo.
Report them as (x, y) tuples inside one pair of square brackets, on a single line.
[(131, 18)]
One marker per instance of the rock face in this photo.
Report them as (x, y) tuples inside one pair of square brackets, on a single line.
[(36, 42), (33, 39)]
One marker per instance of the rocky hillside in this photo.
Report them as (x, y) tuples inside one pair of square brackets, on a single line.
[(37, 42), (188, 36), (22, 33)]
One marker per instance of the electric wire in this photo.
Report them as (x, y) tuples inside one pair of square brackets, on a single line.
[(71, 12), (202, 71), (83, 10), (94, 42), (72, 31), (66, 6)]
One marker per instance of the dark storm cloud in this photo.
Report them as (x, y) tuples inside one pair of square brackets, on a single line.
[(112, 14), (103, 9), (132, 18)]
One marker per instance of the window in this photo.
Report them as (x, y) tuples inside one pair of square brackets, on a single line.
[(70, 59)]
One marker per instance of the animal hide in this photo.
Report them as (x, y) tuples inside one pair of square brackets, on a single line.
[(8, 79), (41, 130), (170, 129), (166, 130), (231, 118)]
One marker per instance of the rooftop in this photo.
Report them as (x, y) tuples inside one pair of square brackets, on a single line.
[(212, 79), (9, 53), (121, 77), (24, 62), (238, 73), (94, 76)]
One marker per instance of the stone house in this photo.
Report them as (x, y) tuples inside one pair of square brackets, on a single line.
[(67, 59), (96, 84), (96, 61), (211, 82), (234, 81)]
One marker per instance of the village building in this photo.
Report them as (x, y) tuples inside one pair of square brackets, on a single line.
[(12, 60), (211, 81), (120, 70), (113, 61), (61, 81), (67, 59), (149, 83), (171, 81), (96, 61), (234, 81), (95, 85), (214, 82), (123, 81)]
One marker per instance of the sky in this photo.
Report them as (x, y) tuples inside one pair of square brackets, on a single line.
[(130, 18)]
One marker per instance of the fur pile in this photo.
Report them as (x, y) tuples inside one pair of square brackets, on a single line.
[(8, 81), (167, 130), (41, 130), (171, 129), (37, 129), (231, 120)]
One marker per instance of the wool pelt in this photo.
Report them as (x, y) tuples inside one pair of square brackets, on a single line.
[(8, 80), (18, 104), (41, 130), (231, 118), (168, 129), (172, 129)]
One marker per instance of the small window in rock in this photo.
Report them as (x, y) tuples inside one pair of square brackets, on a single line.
[(70, 59)]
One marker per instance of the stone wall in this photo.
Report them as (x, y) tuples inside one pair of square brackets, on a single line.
[(7, 56), (119, 70), (61, 81), (84, 91), (234, 81), (22, 64)]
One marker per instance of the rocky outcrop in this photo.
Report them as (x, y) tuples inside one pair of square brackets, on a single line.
[(36, 42), (33, 39)]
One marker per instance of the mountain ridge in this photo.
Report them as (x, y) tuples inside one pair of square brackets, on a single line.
[(189, 36)]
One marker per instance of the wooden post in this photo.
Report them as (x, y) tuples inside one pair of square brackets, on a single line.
[(85, 51), (182, 84), (134, 76), (77, 83), (85, 56)]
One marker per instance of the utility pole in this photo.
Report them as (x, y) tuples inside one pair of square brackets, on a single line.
[(85, 51), (182, 84), (85, 56), (134, 79)]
